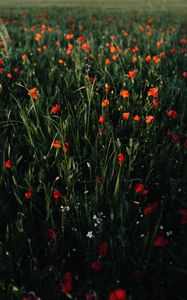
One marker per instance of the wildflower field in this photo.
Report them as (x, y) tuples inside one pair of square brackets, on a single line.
[(93, 154)]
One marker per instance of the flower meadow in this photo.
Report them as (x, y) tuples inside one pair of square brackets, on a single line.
[(93, 155)]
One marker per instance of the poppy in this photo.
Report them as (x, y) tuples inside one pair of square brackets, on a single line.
[(28, 194), (118, 294), (56, 144), (56, 194), (126, 116), (155, 102), (103, 248), (156, 59), (51, 234), (182, 212), (120, 158), (149, 119), (9, 75), (66, 147), (160, 241), (140, 189), (136, 118), (56, 108), (132, 74), (102, 119), (85, 47), (124, 94), (69, 36), (176, 138), (33, 93), (153, 92), (66, 284), (105, 103), (96, 266), (8, 164), (107, 88), (107, 61), (148, 58), (172, 114), (150, 208)]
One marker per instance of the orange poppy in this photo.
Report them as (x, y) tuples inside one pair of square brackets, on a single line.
[(56, 108), (69, 36), (56, 144), (153, 92), (85, 47), (33, 93), (136, 118), (124, 94), (148, 58), (126, 116), (149, 119)]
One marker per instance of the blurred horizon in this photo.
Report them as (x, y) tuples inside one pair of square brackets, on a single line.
[(158, 4)]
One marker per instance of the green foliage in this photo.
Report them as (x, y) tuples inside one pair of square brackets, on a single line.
[(77, 171)]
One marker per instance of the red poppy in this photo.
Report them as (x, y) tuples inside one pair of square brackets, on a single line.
[(121, 158), (185, 74), (56, 108), (103, 249), (160, 241), (118, 294), (51, 234), (105, 103), (140, 189), (8, 164), (132, 74), (66, 147), (66, 284), (96, 266), (107, 88), (102, 119), (172, 114), (182, 212), (56, 194), (155, 102), (176, 138), (28, 194), (150, 208), (185, 143)]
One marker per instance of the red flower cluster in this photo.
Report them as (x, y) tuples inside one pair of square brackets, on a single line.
[(118, 294), (140, 189), (150, 208), (160, 241), (66, 284)]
